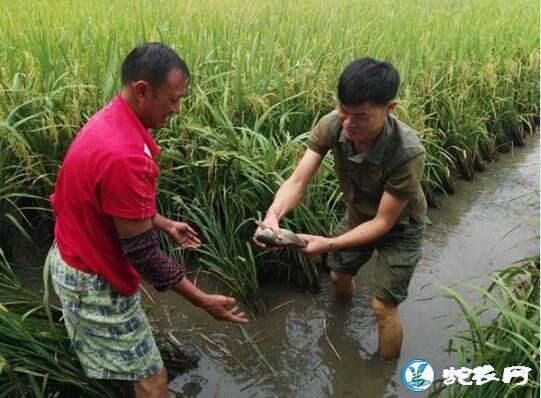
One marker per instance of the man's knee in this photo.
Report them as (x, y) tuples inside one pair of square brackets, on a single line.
[(339, 278), (154, 385), (382, 309), (342, 286)]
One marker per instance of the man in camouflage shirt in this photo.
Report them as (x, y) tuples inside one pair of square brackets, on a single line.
[(379, 163)]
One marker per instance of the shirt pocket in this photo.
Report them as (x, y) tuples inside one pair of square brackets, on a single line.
[(344, 179), (366, 181)]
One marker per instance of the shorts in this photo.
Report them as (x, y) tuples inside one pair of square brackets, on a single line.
[(110, 333), (399, 251)]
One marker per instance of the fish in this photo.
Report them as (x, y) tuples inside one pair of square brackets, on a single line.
[(289, 239)]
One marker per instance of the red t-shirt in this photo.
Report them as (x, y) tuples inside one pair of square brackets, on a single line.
[(108, 171)]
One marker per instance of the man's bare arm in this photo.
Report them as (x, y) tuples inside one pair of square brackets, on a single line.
[(141, 247), (291, 192), (389, 210)]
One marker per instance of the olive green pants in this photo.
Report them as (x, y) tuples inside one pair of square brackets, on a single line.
[(399, 252)]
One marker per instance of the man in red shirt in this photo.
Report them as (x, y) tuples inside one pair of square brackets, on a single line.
[(106, 223)]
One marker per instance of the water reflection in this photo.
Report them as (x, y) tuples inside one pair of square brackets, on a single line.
[(352, 330)]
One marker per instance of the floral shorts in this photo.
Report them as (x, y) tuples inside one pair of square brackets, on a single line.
[(110, 333)]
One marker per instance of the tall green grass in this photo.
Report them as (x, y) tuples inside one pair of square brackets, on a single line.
[(36, 358), (235, 172), (509, 338), (263, 74)]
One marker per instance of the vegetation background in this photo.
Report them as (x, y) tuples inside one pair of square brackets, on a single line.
[(263, 73)]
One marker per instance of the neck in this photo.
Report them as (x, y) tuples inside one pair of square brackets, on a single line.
[(130, 100)]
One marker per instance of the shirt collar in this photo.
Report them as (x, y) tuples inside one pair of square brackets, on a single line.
[(138, 126), (374, 154)]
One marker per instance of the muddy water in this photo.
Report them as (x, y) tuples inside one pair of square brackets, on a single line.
[(483, 228)]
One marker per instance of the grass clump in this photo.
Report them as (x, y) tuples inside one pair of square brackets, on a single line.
[(510, 336), (36, 358)]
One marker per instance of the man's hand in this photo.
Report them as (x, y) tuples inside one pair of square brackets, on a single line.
[(290, 194), (316, 244), (184, 235), (272, 222), (217, 306), (223, 308), (180, 232)]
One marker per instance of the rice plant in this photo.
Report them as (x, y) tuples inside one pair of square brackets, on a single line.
[(262, 75), (510, 338), (36, 358)]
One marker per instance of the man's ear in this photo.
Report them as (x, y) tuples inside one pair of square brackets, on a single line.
[(141, 89), (391, 105)]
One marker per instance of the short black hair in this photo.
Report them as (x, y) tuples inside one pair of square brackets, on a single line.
[(368, 80), (152, 62)]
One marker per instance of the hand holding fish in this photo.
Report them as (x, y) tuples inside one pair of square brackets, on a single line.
[(315, 244), (268, 238), (271, 223)]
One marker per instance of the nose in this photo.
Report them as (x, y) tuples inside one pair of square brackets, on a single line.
[(175, 108), (349, 123)]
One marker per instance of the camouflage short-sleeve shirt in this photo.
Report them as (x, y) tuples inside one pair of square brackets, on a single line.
[(394, 164)]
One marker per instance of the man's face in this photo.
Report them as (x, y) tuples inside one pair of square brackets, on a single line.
[(158, 103), (362, 123)]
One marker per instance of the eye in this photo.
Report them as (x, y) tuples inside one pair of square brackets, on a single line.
[(362, 117)]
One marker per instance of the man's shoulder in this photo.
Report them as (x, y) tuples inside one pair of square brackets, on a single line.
[(325, 133), (112, 133), (330, 122), (407, 137), (328, 127), (403, 144)]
